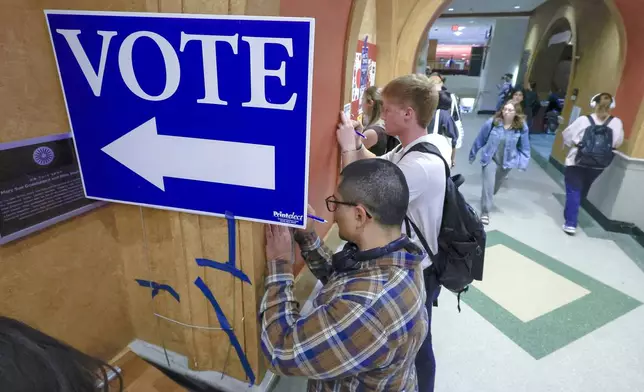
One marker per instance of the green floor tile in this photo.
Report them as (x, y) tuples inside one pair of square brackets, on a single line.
[(562, 326)]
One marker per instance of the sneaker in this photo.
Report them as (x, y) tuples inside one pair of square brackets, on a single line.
[(569, 230), (485, 219)]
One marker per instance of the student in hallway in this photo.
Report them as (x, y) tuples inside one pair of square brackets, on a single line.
[(505, 90), (369, 320), (504, 143), (592, 140), (409, 104), (532, 103), (446, 120), (377, 142)]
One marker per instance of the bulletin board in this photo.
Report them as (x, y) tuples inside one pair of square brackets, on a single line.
[(364, 74)]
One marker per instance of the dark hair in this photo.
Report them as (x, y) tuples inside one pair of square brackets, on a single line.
[(598, 98), (33, 361), (379, 186), (519, 119), (533, 85), (513, 92), (373, 94), (444, 100)]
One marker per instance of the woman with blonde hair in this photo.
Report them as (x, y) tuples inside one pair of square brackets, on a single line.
[(504, 143), (378, 142)]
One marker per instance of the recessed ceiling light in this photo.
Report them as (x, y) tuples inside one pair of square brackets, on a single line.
[(451, 9), (516, 7), (458, 33), (471, 21), (461, 28)]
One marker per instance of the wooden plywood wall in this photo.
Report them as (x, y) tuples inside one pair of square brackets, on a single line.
[(76, 281), (66, 280), (163, 247)]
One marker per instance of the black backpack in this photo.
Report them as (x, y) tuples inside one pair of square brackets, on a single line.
[(461, 241), (596, 147)]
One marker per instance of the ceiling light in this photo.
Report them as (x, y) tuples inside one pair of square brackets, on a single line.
[(516, 7), (451, 9), (464, 54), (471, 21), (461, 28), (458, 33)]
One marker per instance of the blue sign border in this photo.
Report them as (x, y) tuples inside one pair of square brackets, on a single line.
[(310, 21)]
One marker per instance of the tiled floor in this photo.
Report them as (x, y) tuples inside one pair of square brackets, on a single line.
[(554, 313)]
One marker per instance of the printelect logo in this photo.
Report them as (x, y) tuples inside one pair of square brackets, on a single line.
[(291, 216)]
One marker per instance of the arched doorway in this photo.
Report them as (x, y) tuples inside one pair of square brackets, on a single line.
[(551, 72)]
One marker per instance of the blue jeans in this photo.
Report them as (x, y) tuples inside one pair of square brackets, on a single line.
[(578, 183), (425, 360)]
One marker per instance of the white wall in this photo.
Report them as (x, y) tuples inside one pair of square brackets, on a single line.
[(616, 189), (504, 56)]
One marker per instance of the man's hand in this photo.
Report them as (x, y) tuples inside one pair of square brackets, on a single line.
[(310, 228), (347, 137), (278, 243)]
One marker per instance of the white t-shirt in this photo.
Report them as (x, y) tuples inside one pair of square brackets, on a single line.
[(426, 177), (575, 132)]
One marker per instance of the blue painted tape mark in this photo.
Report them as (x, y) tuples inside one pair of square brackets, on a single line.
[(223, 321), (232, 240), (226, 267), (156, 287)]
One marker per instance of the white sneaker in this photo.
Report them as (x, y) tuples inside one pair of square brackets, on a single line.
[(569, 230)]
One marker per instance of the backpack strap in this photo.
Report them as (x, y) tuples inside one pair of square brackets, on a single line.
[(610, 118), (592, 121), (428, 148), (436, 122), (455, 108)]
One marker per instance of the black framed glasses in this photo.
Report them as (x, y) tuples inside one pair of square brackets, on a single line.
[(332, 205)]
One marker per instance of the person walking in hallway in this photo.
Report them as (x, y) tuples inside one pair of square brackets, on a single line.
[(532, 104), (592, 140), (377, 141), (504, 143), (505, 90), (409, 104)]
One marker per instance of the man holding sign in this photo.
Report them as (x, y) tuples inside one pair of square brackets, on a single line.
[(369, 320)]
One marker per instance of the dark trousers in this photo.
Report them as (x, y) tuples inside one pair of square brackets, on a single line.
[(578, 183), (425, 360)]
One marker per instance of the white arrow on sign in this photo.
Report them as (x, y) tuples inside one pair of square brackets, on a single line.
[(153, 156)]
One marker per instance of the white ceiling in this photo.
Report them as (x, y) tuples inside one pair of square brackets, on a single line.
[(485, 6), (473, 33)]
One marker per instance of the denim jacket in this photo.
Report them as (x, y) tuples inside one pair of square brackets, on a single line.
[(517, 145)]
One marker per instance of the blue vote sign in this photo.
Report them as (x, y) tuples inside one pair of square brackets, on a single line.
[(207, 114)]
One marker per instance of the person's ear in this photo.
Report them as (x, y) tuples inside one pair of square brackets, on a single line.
[(360, 216), (409, 113)]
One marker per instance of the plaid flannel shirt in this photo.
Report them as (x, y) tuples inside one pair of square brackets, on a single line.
[(366, 327)]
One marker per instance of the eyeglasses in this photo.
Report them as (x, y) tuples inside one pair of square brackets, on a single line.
[(332, 205)]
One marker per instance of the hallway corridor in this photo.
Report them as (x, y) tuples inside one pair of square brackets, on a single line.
[(554, 313)]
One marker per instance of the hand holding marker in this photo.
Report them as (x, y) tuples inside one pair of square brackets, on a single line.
[(358, 132)]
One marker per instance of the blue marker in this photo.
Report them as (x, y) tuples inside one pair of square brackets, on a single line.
[(316, 218), (360, 134)]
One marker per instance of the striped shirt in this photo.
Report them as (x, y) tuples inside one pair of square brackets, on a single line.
[(366, 326)]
